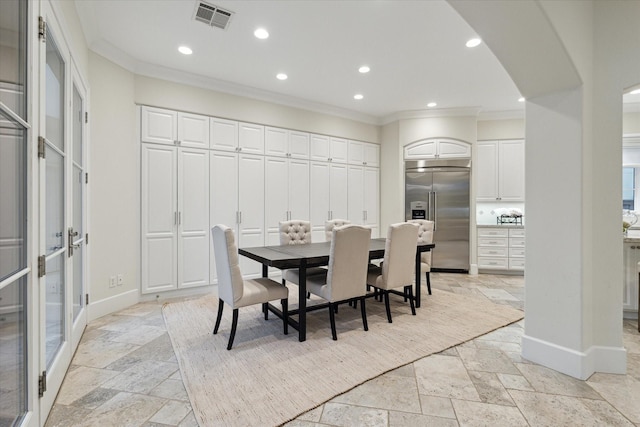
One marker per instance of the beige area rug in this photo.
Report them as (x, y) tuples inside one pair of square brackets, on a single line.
[(269, 378)]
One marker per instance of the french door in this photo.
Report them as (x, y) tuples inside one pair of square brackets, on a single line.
[(62, 208)]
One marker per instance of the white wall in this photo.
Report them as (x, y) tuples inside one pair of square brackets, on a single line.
[(631, 123), (500, 129)]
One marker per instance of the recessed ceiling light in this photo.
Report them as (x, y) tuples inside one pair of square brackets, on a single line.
[(634, 92), (358, 96), (431, 104), (473, 42), (185, 50), (281, 76), (261, 33), (364, 69), (521, 99)]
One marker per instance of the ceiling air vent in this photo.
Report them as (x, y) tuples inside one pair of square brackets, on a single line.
[(212, 15)]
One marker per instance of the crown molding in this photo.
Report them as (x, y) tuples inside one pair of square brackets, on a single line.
[(423, 114), (501, 115)]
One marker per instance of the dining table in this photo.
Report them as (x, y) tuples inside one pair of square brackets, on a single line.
[(305, 256)]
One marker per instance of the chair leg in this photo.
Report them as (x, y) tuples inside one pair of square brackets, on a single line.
[(413, 306), (363, 311), (234, 324), (220, 308), (285, 315), (265, 310), (308, 295), (332, 320), (428, 282), (386, 304), (355, 303)]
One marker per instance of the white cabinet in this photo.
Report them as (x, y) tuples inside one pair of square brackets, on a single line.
[(168, 127), (501, 248), (286, 193), (363, 190), (250, 138), (329, 149), (437, 148), (228, 135), (175, 218), (363, 153), (500, 171), (237, 201), (286, 143), (631, 252), (328, 191)]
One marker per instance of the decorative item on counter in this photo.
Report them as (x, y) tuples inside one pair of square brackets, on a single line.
[(508, 216), (629, 218)]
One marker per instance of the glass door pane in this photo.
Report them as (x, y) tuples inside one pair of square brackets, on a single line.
[(13, 74), (76, 233)]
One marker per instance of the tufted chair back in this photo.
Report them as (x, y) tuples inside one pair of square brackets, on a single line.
[(230, 282), (425, 235), (348, 260), (331, 224), (295, 232), (399, 256)]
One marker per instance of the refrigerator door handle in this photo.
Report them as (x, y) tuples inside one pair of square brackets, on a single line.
[(428, 214), (435, 209)]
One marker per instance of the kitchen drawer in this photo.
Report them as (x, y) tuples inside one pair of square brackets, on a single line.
[(516, 242), (492, 252), (516, 232), (516, 263), (501, 242), (493, 232), (493, 263), (516, 252)]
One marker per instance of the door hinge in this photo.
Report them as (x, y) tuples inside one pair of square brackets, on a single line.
[(42, 29), (41, 147), (86, 299), (86, 117), (86, 239), (86, 178), (42, 383), (42, 262)]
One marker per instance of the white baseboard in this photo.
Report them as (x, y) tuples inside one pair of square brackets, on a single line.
[(187, 292), (581, 365), (473, 270), (112, 304)]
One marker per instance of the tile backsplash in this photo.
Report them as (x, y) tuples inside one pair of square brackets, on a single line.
[(484, 215)]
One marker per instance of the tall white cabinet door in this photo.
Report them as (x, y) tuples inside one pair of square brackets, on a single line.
[(356, 153), (339, 150), (159, 218), (193, 218), (276, 142), (319, 202), (319, 148), (298, 184), (276, 195), (371, 199), (486, 170), (223, 190), (251, 206), (251, 138), (193, 130), (356, 195), (338, 192), (159, 126), (511, 173), (298, 145), (224, 134)]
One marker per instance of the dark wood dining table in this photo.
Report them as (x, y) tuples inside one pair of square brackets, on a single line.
[(309, 255)]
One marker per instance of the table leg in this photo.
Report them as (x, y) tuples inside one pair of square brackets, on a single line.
[(302, 301), (418, 276), (265, 270)]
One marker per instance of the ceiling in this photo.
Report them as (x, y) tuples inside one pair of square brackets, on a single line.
[(415, 49)]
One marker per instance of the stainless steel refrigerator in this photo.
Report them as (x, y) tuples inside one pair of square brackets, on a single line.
[(438, 190)]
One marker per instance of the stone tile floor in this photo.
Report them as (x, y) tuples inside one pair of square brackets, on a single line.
[(125, 373)]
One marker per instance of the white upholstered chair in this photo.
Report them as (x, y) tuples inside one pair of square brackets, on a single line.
[(398, 265), (331, 224), (346, 278), (425, 235), (234, 290), (297, 232)]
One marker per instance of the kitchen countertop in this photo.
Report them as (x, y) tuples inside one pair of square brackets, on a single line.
[(514, 226), (633, 236)]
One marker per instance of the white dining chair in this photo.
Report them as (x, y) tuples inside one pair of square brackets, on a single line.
[(297, 232), (331, 224), (346, 278), (398, 264), (425, 235), (237, 292)]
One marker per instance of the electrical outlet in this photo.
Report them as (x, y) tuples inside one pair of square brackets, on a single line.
[(112, 281), (120, 280)]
